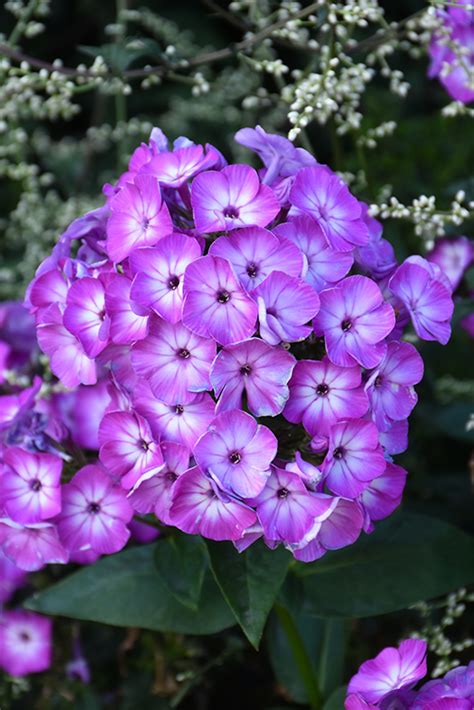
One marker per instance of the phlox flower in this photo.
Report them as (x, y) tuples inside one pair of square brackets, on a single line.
[(255, 252), (259, 370), (395, 439), (125, 325), (88, 405), (174, 168), (182, 423), (215, 304), (286, 510), (339, 528), (393, 669), (30, 489), (153, 491), (390, 385), (377, 258), (383, 495), (139, 217), (354, 457), (426, 297), (68, 360), (25, 642), (451, 70), (325, 265), (354, 320), (199, 507), (174, 360), (453, 692), (31, 547), (95, 513), (322, 393), (280, 157), (231, 198), (238, 452), (127, 448), (285, 305), (158, 281), (48, 288), (85, 315), (321, 194)]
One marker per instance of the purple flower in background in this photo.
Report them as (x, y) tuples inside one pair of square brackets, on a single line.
[(278, 154), (286, 509), (395, 439), (159, 272), (11, 578), (174, 360), (231, 198), (393, 669), (173, 169), (322, 394), (325, 265), (139, 217), (255, 252), (238, 452), (453, 692), (183, 423), (30, 485), (390, 386), (453, 256), (321, 194), (68, 360), (153, 491), (95, 513), (127, 447), (25, 642), (467, 323), (85, 315), (215, 304), (354, 320), (354, 457), (31, 547), (125, 325), (200, 508), (285, 305), (426, 297), (454, 71), (383, 495), (256, 368), (341, 527)]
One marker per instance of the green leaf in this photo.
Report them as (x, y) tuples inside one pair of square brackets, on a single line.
[(249, 581), (408, 558), (332, 655), (336, 700), (126, 590), (181, 562)]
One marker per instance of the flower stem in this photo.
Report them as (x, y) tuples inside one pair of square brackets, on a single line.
[(301, 657)]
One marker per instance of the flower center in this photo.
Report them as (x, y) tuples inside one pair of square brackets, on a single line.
[(245, 370), (223, 296), (283, 493), (171, 476), (346, 325), (378, 381), (93, 508), (179, 409), (24, 636), (235, 457), (173, 283), (322, 390), (145, 223), (184, 354), (144, 444), (271, 312), (231, 211), (338, 453), (35, 485), (252, 270)]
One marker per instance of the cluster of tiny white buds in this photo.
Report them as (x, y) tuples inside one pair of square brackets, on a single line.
[(373, 135), (201, 85)]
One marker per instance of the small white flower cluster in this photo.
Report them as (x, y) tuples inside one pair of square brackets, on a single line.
[(435, 634), (428, 221), (372, 136)]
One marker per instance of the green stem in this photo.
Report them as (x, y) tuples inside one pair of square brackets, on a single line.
[(301, 657), (22, 22)]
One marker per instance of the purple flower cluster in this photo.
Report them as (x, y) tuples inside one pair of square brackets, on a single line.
[(199, 299), (452, 51), (387, 682)]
